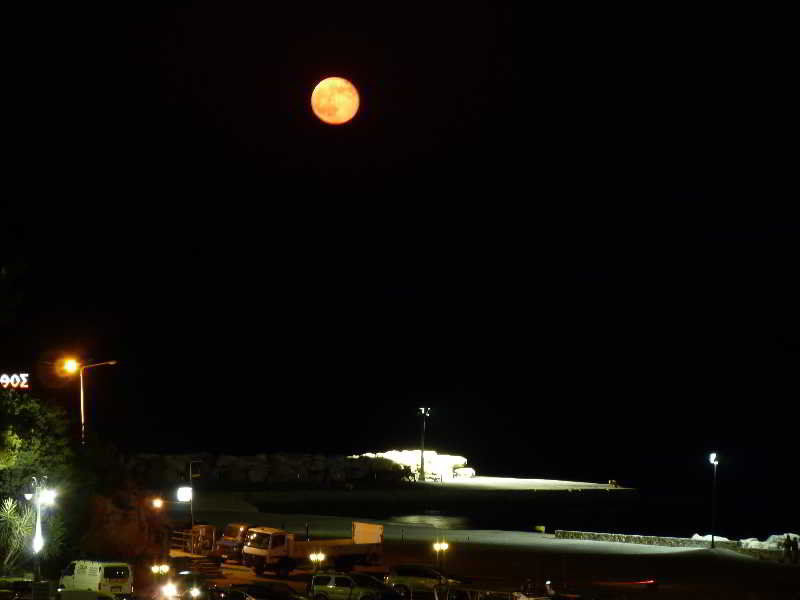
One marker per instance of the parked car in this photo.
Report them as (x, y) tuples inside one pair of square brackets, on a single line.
[(349, 586), (180, 586), (83, 595), (112, 577), (16, 589), (266, 590), (404, 579)]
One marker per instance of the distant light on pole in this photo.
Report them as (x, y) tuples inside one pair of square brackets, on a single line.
[(712, 458), (184, 494), (158, 503), (425, 411), (71, 365)]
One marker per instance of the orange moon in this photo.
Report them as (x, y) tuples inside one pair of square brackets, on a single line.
[(334, 100)]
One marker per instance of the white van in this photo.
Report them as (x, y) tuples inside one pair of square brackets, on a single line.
[(111, 577)]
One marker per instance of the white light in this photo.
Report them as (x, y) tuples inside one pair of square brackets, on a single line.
[(47, 497), (169, 590), (184, 494), (194, 592), (28, 496), (184, 572), (154, 568), (38, 540), (163, 569), (713, 458)]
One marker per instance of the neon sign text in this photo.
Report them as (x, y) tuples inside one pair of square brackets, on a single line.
[(15, 380)]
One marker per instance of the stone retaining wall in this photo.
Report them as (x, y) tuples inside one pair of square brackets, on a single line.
[(653, 540)]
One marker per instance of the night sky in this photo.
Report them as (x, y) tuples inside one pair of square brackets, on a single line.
[(569, 233)]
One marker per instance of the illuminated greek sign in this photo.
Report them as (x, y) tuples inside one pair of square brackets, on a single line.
[(15, 380)]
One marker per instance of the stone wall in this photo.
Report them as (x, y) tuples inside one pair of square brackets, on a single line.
[(653, 540)]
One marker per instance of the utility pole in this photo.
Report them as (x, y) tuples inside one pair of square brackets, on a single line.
[(191, 500), (714, 460), (425, 412)]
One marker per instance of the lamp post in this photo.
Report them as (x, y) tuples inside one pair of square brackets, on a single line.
[(317, 558), (712, 458), (71, 366), (40, 496), (425, 412), (440, 548)]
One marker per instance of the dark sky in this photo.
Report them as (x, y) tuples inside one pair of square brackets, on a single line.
[(570, 233)]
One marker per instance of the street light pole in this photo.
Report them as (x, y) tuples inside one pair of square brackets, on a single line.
[(425, 412), (71, 365), (714, 461), (38, 485)]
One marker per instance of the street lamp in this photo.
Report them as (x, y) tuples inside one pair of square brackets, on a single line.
[(712, 458), (440, 548), (72, 366), (316, 558), (425, 411), (40, 496)]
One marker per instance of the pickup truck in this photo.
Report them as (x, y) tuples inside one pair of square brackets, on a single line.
[(270, 549)]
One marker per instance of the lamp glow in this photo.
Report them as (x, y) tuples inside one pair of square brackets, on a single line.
[(169, 589), (154, 569), (158, 503), (712, 458), (184, 494), (163, 569), (71, 365), (47, 497), (194, 592)]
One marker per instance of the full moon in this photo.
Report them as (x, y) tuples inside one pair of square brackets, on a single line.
[(334, 100)]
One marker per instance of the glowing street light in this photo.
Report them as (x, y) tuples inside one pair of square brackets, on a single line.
[(316, 558), (158, 503), (71, 366), (440, 548), (184, 494), (41, 496), (712, 458)]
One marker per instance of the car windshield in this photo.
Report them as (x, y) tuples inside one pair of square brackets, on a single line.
[(366, 581)]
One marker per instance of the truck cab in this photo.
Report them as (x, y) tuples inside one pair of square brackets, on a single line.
[(229, 545), (268, 548)]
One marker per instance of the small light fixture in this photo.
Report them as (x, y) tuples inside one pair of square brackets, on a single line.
[(158, 503), (712, 458), (184, 494), (47, 497)]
